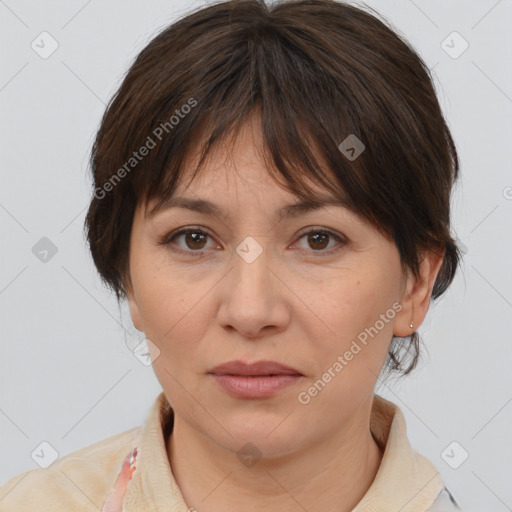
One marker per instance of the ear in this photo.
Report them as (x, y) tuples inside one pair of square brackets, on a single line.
[(417, 294), (134, 308)]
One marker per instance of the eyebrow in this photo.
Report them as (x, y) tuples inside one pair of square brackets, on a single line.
[(208, 208)]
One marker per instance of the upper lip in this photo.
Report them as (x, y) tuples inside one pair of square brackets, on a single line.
[(256, 368)]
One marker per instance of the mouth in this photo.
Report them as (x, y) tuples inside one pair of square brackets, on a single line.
[(262, 379), (257, 369)]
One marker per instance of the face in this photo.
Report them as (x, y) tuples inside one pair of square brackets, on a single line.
[(319, 291)]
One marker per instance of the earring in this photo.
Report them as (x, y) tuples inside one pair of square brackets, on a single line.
[(410, 325)]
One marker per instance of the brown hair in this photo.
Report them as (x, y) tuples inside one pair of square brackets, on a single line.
[(316, 71)]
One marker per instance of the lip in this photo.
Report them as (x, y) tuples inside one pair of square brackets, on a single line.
[(261, 379), (246, 386), (258, 368)]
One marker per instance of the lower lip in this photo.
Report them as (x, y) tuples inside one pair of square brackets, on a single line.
[(255, 387)]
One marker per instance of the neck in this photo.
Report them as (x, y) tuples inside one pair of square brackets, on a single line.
[(333, 474)]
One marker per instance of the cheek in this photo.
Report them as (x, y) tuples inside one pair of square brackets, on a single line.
[(162, 292), (167, 309), (356, 313), (347, 304)]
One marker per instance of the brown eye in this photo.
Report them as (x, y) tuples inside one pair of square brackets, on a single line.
[(322, 241), (318, 241), (195, 240)]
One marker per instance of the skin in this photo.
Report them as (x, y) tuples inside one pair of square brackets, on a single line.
[(296, 304)]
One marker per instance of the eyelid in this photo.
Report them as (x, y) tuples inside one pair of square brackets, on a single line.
[(169, 238), (320, 229), (341, 239)]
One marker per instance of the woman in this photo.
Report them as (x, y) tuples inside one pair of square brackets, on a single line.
[(272, 198)]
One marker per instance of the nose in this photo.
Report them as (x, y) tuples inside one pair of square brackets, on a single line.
[(254, 297)]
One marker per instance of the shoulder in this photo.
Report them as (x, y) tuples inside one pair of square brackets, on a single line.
[(81, 479)]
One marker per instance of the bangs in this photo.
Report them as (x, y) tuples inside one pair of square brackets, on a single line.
[(343, 104), (281, 160), (300, 134)]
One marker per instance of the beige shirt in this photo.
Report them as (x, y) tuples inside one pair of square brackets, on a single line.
[(406, 481)]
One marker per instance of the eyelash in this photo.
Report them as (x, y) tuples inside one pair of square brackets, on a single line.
[(168, 239)]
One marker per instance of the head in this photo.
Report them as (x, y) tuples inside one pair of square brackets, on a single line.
[(254, 108)]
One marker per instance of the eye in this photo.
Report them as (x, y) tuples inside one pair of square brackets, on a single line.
[(194, 240), (318, 240)]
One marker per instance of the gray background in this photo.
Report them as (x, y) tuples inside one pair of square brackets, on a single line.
[(67, 375)]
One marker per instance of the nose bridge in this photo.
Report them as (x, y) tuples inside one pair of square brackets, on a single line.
[(251, 273), (251, 300)]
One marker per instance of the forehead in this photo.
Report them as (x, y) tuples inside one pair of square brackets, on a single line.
[(239, 162), (243, 156), (210, 207)]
